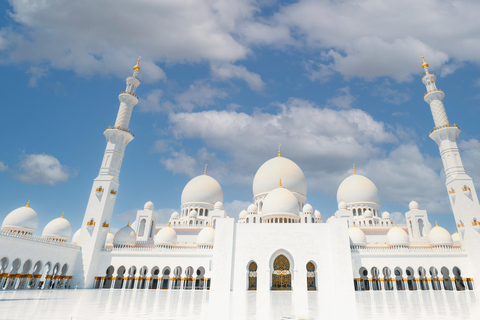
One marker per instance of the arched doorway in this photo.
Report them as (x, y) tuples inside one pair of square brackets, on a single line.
[(281, 275), (252, 276)]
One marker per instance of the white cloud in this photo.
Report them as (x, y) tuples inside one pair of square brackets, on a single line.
[(343, 99), (152, 102), (398, 217), (36, 73), (393, 96), (199, 94), (3, 167), (225, 71), (234, 207), (42, 169), (181, 163)]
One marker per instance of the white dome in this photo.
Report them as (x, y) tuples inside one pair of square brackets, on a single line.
[(23, 219), (413, 205), (148, 206), (175, 215), (280, 201), (218, 205), (318, 214), (125, 237), (357, 189), (368, 213), (109, 239), (396, 236), (202, 189), (438, 236), (58, 229), (76, 236), (192, 214), (307, 208), (166, 236), (252, 208), (386, 215), (456, 237), (267, 177), (206, 237), (331, 219), (342, 205), (357, 237), (243, 214)]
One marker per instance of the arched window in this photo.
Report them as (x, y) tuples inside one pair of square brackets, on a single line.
[(141, 229), (206, 212), (421, 226), (311, 286), (306, 220), (252, 276), (201, 213), (354, 212), (254, 219), (281, 275)]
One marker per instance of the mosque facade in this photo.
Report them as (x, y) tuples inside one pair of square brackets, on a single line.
[(279, 242)]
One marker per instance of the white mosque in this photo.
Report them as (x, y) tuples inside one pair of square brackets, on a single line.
[(280, 242)]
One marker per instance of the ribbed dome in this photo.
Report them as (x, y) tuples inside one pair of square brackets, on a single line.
[(148, 206), (307, 208), (218, 205), (280, 201), (202, 189), (109, 239), (266, 178), (357, 237), (58, 229), (318, 214), (125, 237), (206, 237), (438, 236), (252, 208), (413, 205), (175, 215), (243, 214), (166, 237), (396, 236), (386, 215), (357, 189), (76, 236), (456, 237), (23, 219)]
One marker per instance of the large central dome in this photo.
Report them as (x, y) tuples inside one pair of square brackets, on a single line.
[(267, 177), (357, 189), (202, 189)]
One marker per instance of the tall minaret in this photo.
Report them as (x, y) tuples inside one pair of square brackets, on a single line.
[(105, 186), (463, 197)]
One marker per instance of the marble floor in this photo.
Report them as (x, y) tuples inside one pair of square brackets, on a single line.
[(158, 304)]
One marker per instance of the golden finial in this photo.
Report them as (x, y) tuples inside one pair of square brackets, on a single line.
[(279, 150), (168, 225), (425, 64), (62, 215), (28, 204), (128, 224), (137, 67), (354, 171), (205, 172), (436, 224), (395, 224), (280, 184)]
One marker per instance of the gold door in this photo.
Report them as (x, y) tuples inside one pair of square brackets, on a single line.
[(281, 275)]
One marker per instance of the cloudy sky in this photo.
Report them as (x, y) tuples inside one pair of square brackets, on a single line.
[(223, 83)]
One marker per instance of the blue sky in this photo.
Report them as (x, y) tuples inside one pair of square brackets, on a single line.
[(223, 82)]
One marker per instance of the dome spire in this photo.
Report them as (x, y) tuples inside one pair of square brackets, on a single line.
[(354, 170), (28, 204), (280, 184), (205, 172), (279, 150), (62, 215), (128, 224)]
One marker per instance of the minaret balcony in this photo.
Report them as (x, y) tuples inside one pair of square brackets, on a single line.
[(434, 90), (120, 128), (131, 93), (444, 126)]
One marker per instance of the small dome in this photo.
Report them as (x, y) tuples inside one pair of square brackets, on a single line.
[(456, 237), (76, 236), (413, 205), (125, 237), (202, 189), (266, 178), (331, 219), (357, 237), (318, 214), (109, 239), (342, 205), (252, 208), (23, 219), (307, 208), (243, 214), (368, 213), (192, 214), (58, 229), (438, 236), (175, 215), (357, 189), (166, 237), (206, 237), (396, 236), (386, 215), (280, 201), (148, 206), (218, 205)]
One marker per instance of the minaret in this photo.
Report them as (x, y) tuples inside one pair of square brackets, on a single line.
[(461, 191), (105, 186)]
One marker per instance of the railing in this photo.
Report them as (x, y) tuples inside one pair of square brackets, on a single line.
[(408, 249), (30, 237), (434, 90), (427, 74), (133, 94), (121, 128), (160, 249), (444, 126)]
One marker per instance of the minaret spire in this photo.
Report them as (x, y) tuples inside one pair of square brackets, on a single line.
[(463, 197)]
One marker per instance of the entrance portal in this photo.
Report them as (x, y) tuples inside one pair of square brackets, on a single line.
[(281, 275)]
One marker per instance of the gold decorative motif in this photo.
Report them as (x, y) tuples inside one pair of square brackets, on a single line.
[(90, 223), (137, 67), (205, 172), (99, 189), (354, 171), (106, 225), (281, 275), (465, 189), (280, 184), (451, 191), (424, 64), (113, 192), (279, 150)]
